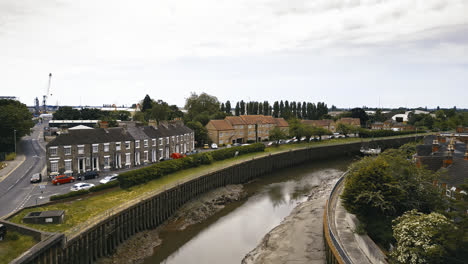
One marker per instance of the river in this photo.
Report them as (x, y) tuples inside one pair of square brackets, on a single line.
[(230, 234)]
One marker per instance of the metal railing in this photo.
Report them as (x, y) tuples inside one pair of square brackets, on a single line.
[(344, 257)]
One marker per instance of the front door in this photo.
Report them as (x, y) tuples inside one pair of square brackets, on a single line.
[(81, 165)]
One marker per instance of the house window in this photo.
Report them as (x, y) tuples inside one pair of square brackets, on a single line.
[(146, 155), (117, 145), (68, 165), (220, 134), (137, 143), (127, 144), (161, 153), (106, 162), (250, 126), (67, 150), (53, 151), (160, 141), (167, 140), (54, 166), (221, 142), (95, 148), (137, 158), (106, 147), (154, 142), (145, 143), (127, 158), (81, 149)]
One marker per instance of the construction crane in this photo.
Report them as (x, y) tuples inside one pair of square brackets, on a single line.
[(44, 98)]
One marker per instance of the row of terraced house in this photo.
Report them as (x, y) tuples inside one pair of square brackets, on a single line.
[(104, 149)]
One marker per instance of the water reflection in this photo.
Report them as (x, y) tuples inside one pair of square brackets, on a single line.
[(229, 235)]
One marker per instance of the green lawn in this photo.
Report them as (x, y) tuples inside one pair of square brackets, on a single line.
[(88, 207), (14, 245)]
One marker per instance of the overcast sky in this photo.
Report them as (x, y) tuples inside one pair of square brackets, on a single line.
[(343, 52)]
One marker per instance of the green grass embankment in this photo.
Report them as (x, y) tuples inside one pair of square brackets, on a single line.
[(14, 245), (88, 207)]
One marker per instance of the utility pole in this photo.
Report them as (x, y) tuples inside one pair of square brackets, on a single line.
[(14, 135)]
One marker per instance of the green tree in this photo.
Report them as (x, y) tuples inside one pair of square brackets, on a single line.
[(237, 109), (361, 114), (345, 129), (201, 133), (67, 113), (276, 134), (14, 116), (320, 131), (203, 103), (276, 109), (147, 103), (228, 107), (242, 107), (159, 111), (424, 238)]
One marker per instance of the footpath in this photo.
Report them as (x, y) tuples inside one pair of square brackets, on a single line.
[(12, 165)]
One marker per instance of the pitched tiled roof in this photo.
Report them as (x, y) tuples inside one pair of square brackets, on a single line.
[(317, 123), (456, 173), (424, 150), (270, 120), (90, 136), (432, 163), (280, 122), (221, 125), (350, 121), (429, 139), (235, 120), (253, 119)]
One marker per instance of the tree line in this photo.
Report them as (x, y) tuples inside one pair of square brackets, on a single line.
[(14, 115), (69, 113)]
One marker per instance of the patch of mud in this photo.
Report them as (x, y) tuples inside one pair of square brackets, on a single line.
[(141, 245), (298, 239)]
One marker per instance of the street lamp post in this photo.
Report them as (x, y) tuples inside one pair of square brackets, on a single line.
[(14, 136)]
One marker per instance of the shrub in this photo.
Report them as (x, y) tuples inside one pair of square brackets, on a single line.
[(68, 195), (101, 187), (143, 175), (366, 133), (11, 156)]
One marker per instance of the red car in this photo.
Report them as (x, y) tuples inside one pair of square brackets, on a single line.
[(63, 179)]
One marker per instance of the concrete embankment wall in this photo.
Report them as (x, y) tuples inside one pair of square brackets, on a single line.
[(102, 238)]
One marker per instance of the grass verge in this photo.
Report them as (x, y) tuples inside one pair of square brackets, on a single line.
[(14, 245), (85, 208)]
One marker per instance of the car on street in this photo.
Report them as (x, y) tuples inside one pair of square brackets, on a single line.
[(37, 177), (214, 146), (61, 179), (88, 175), (109, 178), (246, 144), (81, 186), (269, 144), (236, 144), (206, 146)]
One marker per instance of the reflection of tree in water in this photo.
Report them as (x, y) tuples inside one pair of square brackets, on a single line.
[(275, 193), (301, 190)]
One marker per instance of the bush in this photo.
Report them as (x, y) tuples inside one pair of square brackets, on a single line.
[(68, 195), (11, 156), (143, 175), (366, 133), (101, 187)]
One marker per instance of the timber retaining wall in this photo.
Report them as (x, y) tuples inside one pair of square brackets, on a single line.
[(102, 238)]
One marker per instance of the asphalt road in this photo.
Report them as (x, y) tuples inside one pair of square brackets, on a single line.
[(15, 190)]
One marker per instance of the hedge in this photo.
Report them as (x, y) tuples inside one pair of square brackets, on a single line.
[(366, 133), (96, 188), (143, 175)]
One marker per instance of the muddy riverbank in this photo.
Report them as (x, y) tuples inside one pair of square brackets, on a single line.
[(141, 245), (298, 239)]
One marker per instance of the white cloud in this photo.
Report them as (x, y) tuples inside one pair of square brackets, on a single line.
[(87, 38)]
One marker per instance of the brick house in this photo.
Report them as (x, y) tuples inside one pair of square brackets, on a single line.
[(349, 121), (244, 128), (327, 124), (105, 149), (377, 126), (220, 132)]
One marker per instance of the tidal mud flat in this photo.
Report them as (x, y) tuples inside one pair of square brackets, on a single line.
[(141, 245), (299, 237)]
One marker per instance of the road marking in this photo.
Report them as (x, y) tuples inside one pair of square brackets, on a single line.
[(8, 174)]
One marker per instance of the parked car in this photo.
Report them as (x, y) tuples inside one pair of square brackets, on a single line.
[(88, 175), (176, 155), (269, 144), (109, 178), (236, 144), (61, 179), (246, 144), (228, 146), (37, 177), (206, 146), (303, 138), (81, 186), (281, 141), (214, 146)]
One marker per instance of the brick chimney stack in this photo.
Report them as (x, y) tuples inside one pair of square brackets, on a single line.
[(448, 160), (435, 146)]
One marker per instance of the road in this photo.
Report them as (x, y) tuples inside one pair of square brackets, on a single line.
[(15, 190)]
